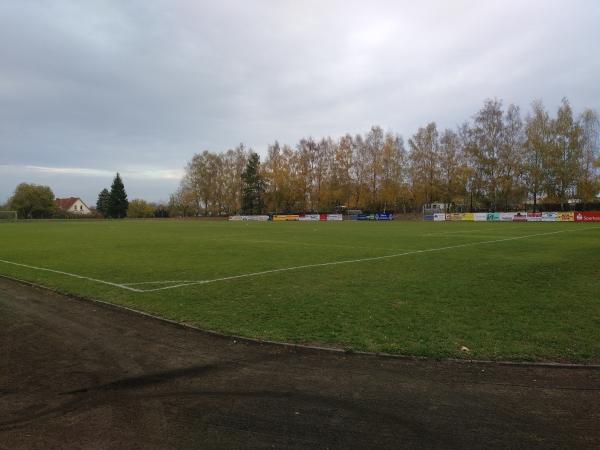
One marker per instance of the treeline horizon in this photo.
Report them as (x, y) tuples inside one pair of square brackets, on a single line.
[(498, 160)]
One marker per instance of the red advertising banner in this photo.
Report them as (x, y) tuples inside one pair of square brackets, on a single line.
[(587, 216)]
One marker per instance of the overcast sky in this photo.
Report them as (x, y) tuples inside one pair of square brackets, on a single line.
[(88, 88)]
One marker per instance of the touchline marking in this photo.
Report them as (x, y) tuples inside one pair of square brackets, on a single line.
[(74, 275), (443, 233), (184, 283)]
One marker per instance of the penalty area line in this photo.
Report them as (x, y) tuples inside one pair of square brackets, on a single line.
[(184, 283), (73, 275)]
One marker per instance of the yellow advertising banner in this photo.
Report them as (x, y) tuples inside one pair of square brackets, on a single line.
[(285, 217), (468, 216), (565, 216)]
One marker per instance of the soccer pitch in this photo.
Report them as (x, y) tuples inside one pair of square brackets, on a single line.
[(517, 291)]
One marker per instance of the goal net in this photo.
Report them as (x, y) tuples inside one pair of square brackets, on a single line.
[(431, 209), (8, 216)]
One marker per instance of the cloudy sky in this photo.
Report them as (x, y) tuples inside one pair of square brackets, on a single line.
[(88, 88)]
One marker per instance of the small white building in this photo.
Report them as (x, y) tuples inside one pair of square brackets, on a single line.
[(72, 205)]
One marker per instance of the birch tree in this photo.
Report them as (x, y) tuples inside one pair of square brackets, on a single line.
[(588, 183), (536, 146), (424, 164)]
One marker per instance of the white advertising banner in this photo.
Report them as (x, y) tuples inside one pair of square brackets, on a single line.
[(507, 216), (534, 217), (253, 218), (480, 217), (549, 217), (439, 217), (310, 217), (334, 217)]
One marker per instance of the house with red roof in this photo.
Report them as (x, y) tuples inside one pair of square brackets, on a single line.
[(72, 205)]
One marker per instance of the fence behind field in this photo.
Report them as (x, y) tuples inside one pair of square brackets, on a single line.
[(517, 216)]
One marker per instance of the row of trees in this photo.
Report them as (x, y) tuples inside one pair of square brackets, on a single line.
[(212, 184), (32, 201), (498, 160)]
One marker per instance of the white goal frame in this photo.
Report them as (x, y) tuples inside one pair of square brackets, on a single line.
[(8, 216)]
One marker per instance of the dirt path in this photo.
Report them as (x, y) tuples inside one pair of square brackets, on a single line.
[(77, 375)]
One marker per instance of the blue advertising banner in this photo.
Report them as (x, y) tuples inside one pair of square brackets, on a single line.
[(365, 217), (378, 216)]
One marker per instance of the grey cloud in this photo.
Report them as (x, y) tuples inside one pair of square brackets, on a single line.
[(110, 85)]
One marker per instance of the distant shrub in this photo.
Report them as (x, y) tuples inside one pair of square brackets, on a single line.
[(139, 209)]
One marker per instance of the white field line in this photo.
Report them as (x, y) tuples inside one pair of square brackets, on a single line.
[(475, 230), (443, 233), (184, 283), (160, 282), (73, 275)]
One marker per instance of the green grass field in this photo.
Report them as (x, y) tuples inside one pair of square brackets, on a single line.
[(532, 298)]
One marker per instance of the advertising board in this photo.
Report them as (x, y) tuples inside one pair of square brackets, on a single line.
[(383, 216), (253, 218), (587, 216), (454, 216), (365, 217), (309, 217), (549, 217), (317, 217), (285, 217), (565, 216)]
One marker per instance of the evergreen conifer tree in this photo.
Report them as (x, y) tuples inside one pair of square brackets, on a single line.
[(117, 204), (253, 187), (103, 202)]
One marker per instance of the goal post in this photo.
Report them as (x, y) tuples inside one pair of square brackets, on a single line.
[(431, 209), (8, 216)]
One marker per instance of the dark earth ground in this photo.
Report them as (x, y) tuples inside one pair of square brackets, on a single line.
[(74, 374)]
